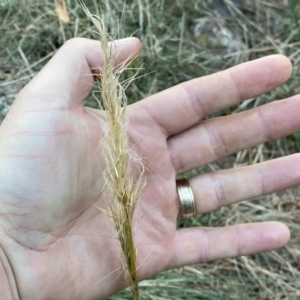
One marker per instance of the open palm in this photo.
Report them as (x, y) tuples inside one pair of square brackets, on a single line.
[(58, 243)]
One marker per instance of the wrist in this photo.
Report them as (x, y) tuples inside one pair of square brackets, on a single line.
[(8, 285)]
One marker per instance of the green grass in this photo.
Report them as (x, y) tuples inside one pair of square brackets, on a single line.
[(30, 34)]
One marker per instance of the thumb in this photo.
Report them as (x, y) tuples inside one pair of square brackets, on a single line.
[(69, 76)]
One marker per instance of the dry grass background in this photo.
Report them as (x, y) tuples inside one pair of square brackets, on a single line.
[(183, 39)]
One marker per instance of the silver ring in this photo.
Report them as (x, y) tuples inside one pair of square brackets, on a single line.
[(186, 197)]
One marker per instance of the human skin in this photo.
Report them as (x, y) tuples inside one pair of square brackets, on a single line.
[(57, 244)]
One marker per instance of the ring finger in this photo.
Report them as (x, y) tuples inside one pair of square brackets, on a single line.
[(222, 188)]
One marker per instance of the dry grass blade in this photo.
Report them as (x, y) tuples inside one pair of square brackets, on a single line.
[(124, 183), (62, 12)]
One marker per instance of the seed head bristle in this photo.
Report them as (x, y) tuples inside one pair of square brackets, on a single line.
[(124, 183)]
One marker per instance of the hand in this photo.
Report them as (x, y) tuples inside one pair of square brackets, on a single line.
[(60, 245)]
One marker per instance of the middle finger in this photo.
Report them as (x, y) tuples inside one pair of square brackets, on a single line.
[(216, 138)]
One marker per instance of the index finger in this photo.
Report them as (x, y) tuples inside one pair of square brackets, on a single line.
[(184, 105)]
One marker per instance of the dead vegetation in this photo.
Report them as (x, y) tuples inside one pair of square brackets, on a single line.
[(183, 40)]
